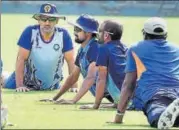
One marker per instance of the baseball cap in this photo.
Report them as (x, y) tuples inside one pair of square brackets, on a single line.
[(86, 23), (47, 10), (151, 25)]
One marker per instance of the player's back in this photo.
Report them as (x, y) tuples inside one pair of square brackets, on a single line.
[(157, 63), (116, 61)]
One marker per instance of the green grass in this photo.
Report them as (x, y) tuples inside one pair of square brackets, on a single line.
[(24, 109)]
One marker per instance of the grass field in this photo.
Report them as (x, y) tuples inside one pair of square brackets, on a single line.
[(25, 112)]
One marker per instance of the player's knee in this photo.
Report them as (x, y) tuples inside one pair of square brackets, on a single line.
[(5, 75), (8, 80)]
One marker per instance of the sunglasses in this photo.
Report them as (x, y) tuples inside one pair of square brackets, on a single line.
[(100, 31), (50, 19), (77, 29)]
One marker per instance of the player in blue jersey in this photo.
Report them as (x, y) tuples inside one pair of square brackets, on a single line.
[(85, 31), (154, 65), (111, 63), (42, 50)]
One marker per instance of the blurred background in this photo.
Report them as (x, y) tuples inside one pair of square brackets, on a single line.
[(17, 15), (123, 8)]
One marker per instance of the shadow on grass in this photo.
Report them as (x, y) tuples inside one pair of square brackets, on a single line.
[(87, 110), (129, 125), (50, 103), (106, 109), (12, 91)]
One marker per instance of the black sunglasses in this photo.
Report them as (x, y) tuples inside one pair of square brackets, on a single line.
[(77, 29), (50, 19), (101, 31)]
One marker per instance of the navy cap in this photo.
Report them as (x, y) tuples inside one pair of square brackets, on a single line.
[(86, 23), (47, 10)]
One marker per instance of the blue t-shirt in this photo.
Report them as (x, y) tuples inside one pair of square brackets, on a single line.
[(87, 55), (113, 56), (43, 69), (25, 39), (157, 66)]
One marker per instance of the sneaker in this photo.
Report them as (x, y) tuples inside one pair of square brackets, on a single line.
[(168, 117)]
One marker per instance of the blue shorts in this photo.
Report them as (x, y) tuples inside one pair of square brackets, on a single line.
[(137, 103), (10, 82), (159, 102)]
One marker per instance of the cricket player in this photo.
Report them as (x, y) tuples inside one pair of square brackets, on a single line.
[(110, 63), (154, 65), (42, 50)]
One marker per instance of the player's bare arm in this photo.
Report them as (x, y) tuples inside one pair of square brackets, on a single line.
[(71, 80), (23, 55), (128, 88), (70, 59), (87, 83), (100, 88)]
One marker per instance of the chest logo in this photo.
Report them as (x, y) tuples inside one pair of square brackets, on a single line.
[(56, 47)]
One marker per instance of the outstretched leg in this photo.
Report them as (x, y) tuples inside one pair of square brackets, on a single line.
[(168, 117)]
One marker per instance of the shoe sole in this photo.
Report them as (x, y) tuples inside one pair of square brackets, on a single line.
[(168, 117)]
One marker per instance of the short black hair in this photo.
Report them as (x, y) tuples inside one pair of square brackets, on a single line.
[(94, 35), (152, 36), (113, 27)]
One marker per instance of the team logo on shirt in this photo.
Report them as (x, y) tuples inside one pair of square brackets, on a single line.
[(56, 47)]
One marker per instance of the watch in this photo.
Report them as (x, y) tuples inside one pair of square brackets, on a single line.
[(119, 113)]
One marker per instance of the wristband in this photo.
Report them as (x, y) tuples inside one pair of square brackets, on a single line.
[(120, 113)]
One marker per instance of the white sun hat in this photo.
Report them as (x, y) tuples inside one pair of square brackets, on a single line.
[(153, 23)]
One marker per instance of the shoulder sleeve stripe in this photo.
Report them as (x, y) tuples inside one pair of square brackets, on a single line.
[(139, 64)]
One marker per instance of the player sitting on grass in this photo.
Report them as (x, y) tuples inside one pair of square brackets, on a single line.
[(154, 64), (110, 63), (42, 50)]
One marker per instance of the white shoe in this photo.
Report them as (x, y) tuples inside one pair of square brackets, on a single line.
[(4, 114), (5, 75), (168, 117)]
